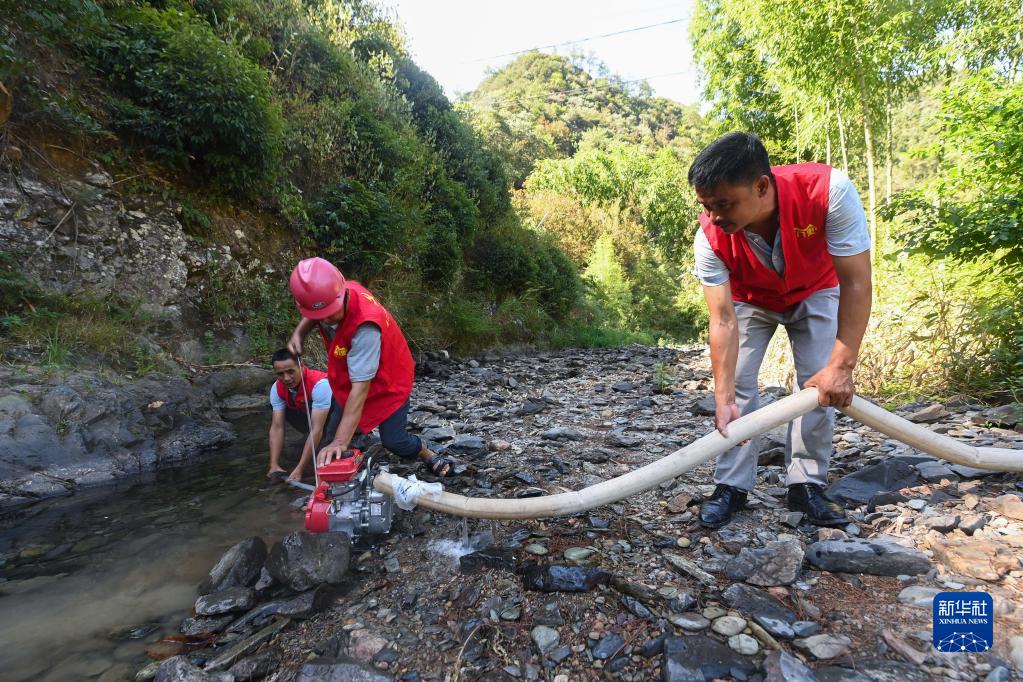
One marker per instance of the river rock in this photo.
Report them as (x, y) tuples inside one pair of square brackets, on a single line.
[(705, 406), (919, 596), (491, 557), (82, 429), (861, 485), (781, 666), (690, 621), (931, 413), (558, 578), (875, 670), (696, 658), (238, 567), (467, 446), (874, 557), (983, 559), (756, 602), (322, 670), (179, 669), (824, 645), (943, 523), (231, 600), (200, 626), (363, 644), (531, 406), (253, 667), (304, 560), (606, 646), (744, 644), (563, 433), (776, 564), (545, 638), (1005, 416), (934, 472), (1007, 505), (728, 625)]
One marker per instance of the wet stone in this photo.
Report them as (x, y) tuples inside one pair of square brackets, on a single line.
[(493, 557), (240, 566), (558, 578), (179, 669), (304, 560), (230, 600), (578, 553), (201, 625)]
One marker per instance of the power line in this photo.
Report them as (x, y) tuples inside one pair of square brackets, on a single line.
[(580, 40)]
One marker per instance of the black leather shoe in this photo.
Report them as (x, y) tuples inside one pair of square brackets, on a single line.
[(810, 499), (718, 509)]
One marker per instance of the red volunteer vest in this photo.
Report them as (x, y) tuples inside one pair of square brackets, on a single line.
[(309, 378), (802, 212), (392, 385)]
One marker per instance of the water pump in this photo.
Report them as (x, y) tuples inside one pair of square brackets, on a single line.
[(346, 502)]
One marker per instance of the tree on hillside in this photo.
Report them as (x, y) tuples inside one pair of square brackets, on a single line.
[(542, 105)]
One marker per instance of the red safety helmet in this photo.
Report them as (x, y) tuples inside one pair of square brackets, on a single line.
[(318, 288)]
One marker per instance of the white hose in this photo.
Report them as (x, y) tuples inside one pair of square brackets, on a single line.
[(705, 448)]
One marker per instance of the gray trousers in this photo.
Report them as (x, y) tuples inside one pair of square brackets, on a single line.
[(811, 326)]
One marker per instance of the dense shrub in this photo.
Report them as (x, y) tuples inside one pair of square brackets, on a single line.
[(194, 100), (357, 227), (502, 266)]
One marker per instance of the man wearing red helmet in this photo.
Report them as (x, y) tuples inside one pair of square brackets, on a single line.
[(369, 366)]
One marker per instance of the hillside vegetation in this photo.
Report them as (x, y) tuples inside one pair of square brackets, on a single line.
[(310, 118)]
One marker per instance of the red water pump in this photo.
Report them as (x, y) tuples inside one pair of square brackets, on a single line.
[(346, 502)]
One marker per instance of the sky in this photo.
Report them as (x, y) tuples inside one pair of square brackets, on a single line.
[(457, 41)]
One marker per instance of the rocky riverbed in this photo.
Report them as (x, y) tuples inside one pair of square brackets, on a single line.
[(636, 590)]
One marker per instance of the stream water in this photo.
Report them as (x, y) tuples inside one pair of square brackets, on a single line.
[(89, 581)]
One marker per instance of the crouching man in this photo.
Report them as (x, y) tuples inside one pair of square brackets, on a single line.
[(296, 389), (779, 245), (369, 366)]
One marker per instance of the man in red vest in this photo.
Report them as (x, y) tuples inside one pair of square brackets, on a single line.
[(297, 386), (779, 245), (369, 366)]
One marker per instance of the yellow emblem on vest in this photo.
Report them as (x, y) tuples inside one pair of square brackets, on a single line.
[(371, 298), (806, 232), (340, 352)]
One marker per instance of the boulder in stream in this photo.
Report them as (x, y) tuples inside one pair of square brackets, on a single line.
[(239, 567), (304, 560)]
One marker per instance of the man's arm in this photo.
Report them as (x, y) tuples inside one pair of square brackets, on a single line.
[(835, 382), (724, 352), (349, 422), (276, 441), (302, 330), (315, 436)]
